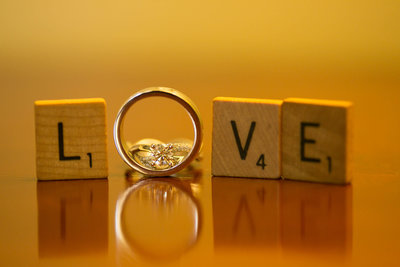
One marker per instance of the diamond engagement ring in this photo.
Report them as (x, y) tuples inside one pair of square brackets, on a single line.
[(159, 156), (150, 156)]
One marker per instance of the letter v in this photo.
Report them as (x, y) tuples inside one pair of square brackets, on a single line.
[(243, 151)]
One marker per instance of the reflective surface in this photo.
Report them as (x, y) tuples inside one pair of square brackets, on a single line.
[(283, 219), (337, 50), (72, 218), (157, 219), (196, 219)]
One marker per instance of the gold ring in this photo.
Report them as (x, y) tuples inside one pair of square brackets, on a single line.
[(157, 159)]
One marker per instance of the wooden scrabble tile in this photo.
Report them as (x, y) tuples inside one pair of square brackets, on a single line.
[(71, 141), (316, 140), (245, 212), (316, 218), (246, 137), (72, 217)]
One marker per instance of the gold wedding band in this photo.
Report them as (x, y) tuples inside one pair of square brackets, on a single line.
[(162, 159)]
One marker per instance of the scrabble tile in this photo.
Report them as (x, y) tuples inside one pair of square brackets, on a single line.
[(71, 141), (316, 140), (316, 218), (246, 137), (245, 212), (72, 217)]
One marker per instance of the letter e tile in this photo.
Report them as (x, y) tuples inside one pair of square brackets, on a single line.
[(316, 140)]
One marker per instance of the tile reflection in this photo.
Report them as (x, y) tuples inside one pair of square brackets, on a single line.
[(316, 218), (292, 217), (157, 219), (72, 217), (245, 212)]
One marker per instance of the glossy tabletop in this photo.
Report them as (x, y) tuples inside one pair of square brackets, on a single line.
[(199, 220)]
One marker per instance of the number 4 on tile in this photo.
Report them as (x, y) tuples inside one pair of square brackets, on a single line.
[(246, 137)]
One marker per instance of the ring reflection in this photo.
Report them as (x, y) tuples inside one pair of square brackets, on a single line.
[(157, 219)]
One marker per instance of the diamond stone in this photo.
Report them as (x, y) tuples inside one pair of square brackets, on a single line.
[(162, 156)]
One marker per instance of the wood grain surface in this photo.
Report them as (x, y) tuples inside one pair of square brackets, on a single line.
[(71, 141), (246, 137), (317, 140)]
